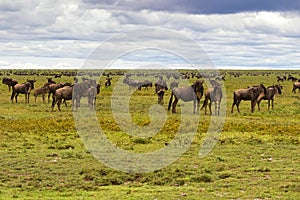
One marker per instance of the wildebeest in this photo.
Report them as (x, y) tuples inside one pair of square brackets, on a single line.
[(49, 82), (271, 92), (107, 81), (80, 90), (131, 83), (253, 94), (40, 91), (292, 78), (296, 86), (215, 95), (91, 95), (54, 86), (145, 84), (160, 88), (281, 78), (64, 93), (24, 88), (188, 93), (173, 84), (9, 82)]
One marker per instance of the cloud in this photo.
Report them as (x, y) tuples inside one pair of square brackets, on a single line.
[(233, 33), (197, 6)]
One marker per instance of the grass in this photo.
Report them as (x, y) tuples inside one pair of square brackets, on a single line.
[(256, 156)]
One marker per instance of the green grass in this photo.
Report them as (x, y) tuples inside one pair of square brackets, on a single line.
[(256, 157)]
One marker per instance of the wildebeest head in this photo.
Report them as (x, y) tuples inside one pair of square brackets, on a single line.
[(258, 92), (198, 88), (279, 88), (50, 80), (174, 84), (263, 89), (160, 88), (31, 83)]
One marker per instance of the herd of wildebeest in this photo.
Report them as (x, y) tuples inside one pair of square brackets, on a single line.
[(88, 87)]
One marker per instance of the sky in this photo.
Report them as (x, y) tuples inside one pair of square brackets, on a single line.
[(231, 34)]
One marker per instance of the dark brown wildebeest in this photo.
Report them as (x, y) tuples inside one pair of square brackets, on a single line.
[(107, 81), (91, 95), (189, 93), (292, 78), (40, 91), (271, 92), (145, 84), (131, 83), (215, 95), (80, 90), (64, 93), (160, 88), (49, 82), (24, 88), (57, 76), (9, 82), (173, 85), (54, 86), (281, 78), (296, 86), (253, 94)]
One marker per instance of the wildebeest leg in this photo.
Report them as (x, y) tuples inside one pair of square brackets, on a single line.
[(160, 96), (204, 105), (258, 105), (198, 105), (9, 88), (174, 105), (65, 102), (12, 96), (294, 89), (194, 106), (234, 102), (49, 96), (16, 97), (196, 101), (209, 106), (43, 96), (28, 96), (219, 106), (237, 105), (77, 103), (58, 103), (253, 102), (54, 101), (272, 104), (170, 101)]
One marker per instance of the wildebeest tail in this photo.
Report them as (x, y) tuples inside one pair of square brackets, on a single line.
[(170, 101), (234, 98)]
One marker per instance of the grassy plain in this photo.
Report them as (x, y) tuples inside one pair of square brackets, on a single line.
[(256, 157)]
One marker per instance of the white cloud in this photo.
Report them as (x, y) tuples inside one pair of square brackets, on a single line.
[(52, 30)]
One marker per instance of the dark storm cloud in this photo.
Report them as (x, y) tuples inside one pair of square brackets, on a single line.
[(199, 6)]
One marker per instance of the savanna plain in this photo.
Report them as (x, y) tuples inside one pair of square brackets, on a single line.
[(256, 155)]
